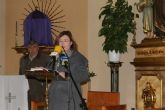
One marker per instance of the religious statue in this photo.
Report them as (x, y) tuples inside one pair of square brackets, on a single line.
[(148, 96), (146, 6), (159, 17)]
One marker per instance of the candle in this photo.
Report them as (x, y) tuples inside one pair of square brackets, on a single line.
[(16, 34), (16, 28)]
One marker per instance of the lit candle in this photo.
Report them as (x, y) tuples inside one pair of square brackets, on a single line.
[(16, 34)]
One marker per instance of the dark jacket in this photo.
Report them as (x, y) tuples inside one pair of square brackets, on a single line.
[(36, 87)]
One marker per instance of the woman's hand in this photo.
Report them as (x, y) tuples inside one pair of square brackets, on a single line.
[(62, 74)]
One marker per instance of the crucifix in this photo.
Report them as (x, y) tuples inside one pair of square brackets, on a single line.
[(10, 97)]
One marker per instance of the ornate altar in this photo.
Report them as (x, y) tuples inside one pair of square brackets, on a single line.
[(149, 58), (42, 23), (149, 65), (24, 50)]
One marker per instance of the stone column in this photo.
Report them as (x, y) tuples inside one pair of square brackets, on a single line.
[(114, 75)]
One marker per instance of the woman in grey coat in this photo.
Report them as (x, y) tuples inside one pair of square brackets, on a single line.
[(62, 92)]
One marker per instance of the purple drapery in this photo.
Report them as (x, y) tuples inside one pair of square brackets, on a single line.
[(37, 27)]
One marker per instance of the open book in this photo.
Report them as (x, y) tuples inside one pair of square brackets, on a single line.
[(38, 69)]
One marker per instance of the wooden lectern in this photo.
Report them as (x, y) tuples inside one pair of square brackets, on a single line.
[(36, 104), (46, 76)]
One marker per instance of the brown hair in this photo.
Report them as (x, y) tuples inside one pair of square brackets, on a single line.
[(69, 34)]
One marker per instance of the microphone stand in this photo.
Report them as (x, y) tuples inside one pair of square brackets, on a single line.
[(46, 80), (83, 105), (54, 61)]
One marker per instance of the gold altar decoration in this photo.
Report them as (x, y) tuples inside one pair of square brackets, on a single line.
[(150, 52), (149, 96), (149, 91), (149, 65)]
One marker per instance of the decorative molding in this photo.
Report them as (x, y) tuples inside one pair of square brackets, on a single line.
[(150, 52)]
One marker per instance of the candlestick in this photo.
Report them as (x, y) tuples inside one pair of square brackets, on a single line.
[(16, 34)]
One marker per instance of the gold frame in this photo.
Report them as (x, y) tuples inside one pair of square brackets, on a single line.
[(156, 83)]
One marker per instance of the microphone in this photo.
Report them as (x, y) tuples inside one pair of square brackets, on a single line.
[(55, 54), (57, 51), (64, 60)]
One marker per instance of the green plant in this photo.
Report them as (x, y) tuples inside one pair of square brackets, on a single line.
[(92, 74), (117, 22)]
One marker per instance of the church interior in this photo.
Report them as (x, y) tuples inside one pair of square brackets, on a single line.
[(142, 64)]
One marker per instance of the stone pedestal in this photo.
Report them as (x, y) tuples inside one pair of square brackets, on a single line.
[(114, 76)]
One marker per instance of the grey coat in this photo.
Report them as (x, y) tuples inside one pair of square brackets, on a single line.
[(62, 93)]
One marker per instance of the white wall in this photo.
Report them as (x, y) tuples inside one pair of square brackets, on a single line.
[(2, 36), (98, 59)]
